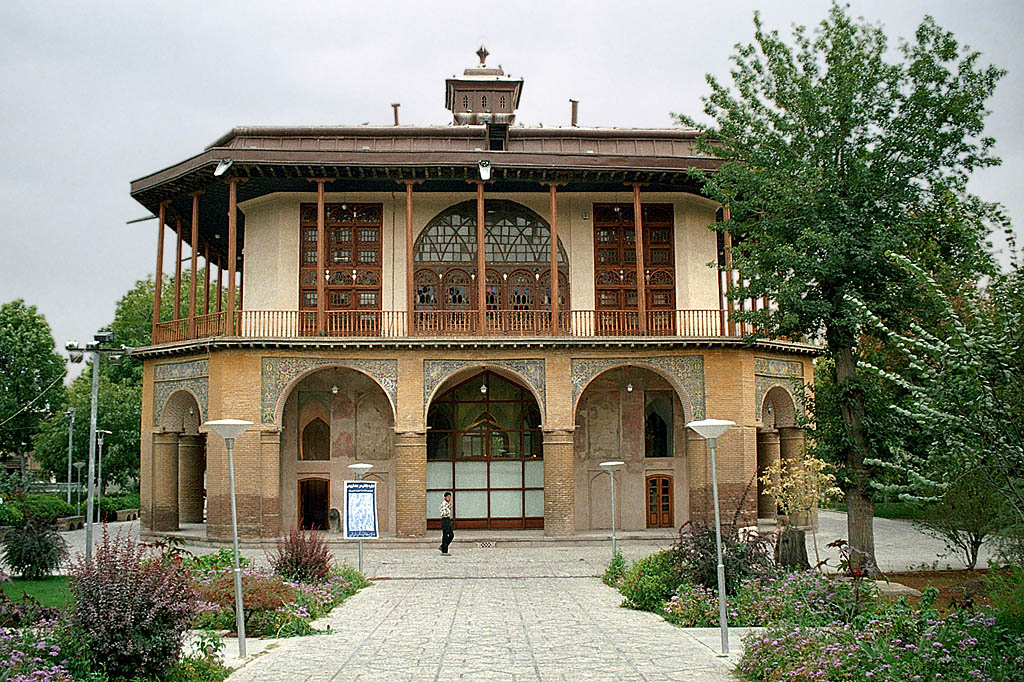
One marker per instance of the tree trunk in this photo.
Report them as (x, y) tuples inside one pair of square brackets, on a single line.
[(860, 508), (791, 549)]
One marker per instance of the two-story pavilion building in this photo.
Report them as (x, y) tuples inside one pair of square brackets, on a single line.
[(482, 307)]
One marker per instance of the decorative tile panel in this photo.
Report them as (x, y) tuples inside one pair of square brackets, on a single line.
[(277, 373), (192, 376), (778, 368), (435, 372), (686, 372)]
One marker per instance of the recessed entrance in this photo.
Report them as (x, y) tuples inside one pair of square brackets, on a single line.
[(484, 444), (659, 502), (313, 496)]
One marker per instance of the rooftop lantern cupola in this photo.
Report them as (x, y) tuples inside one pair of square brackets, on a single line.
[(483, 95)]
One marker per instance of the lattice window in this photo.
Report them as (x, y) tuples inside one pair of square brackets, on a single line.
[(615, 270), (352, 272), (515, 238)]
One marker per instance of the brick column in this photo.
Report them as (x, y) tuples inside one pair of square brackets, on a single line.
[(190, 478), (767, 455), (411, 484), (270, 484), (559, 502), (700, 478), (165, 481)]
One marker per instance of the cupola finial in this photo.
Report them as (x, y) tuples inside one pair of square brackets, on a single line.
[(482, 53)]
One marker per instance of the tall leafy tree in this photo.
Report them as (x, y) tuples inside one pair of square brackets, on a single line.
[(30, 376), (836, 151)]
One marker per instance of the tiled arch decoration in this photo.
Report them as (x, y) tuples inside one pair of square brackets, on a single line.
[(435, 372), (686, 371), (192, 376), (770, 373), (277, 373)]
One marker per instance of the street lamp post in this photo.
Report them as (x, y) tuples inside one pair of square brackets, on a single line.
[(99, 475), (95, 351), (71, 428), (710, 430), (611, 467), (229, 429), (360, 468), (78, 486)]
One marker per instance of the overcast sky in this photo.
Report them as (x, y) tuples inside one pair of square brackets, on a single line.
[(96, 94)]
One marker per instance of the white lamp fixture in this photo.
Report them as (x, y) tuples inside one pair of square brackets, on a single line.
[(229, 429), (711, 429), (611, 467)]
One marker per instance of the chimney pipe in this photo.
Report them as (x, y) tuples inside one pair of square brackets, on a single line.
[(395, 106), (575, 107)]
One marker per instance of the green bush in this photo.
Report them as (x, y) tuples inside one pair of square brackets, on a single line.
[(1007, 595), (649, 582), (223, 559), (616, 570), (11, 515), (35, 550), (111, 504), (46, 507)]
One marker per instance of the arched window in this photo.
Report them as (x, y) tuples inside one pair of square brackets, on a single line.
[(427, 289), (658, 424), (316, 441), (517, 246)]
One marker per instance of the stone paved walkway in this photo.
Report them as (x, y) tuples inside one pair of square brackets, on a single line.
[(554, 628)]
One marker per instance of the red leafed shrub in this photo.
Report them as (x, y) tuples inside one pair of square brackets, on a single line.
[(260, 591), (133, 608), (302, 557)]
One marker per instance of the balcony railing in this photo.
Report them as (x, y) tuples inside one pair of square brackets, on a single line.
[(396, 324)]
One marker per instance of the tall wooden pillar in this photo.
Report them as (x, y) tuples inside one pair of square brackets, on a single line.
[(220, 283), (177, 270), (232, 250), (158, 283), (206, 279), (410, 291), (321, 258), (728, 273), (553, 280), (194, 244), (641, 283), (481, 258)]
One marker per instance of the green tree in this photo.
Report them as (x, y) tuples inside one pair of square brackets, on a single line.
[(834, 154), (30, 376)]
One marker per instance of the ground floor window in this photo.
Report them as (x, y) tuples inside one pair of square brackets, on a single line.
[(484, 444)]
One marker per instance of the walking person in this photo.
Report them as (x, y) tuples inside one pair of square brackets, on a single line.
[(447, 534)]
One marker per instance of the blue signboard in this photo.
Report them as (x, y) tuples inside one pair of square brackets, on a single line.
[(361, 510)]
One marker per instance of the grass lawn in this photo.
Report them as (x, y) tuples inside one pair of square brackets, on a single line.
[(48, 592)]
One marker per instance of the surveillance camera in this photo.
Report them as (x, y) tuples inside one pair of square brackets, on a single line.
[(104, 337), (70, 344), (485, 169)]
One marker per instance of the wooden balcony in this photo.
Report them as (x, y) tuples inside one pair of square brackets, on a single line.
[(397, 324)]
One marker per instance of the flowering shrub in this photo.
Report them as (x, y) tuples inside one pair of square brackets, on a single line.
[(897, 644), (616, 570), (273, 607), (134, 610), (31, 655), (800, 598), (302, 557), (649, 582)]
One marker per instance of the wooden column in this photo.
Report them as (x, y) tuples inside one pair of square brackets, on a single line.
[(192, 285), (553, 270), (321, 258), (158, 280), (641, 286), (220, 283), (481, 258), (206, 279), (410, 292), (728, 273), (232, 250), (177, 271)]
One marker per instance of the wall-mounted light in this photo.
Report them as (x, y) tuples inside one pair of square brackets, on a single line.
[(629, 388), (222, 167), (483, 388), (485, 169), (334, 390)]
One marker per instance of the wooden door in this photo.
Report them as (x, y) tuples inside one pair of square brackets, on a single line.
[(659, 502)]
